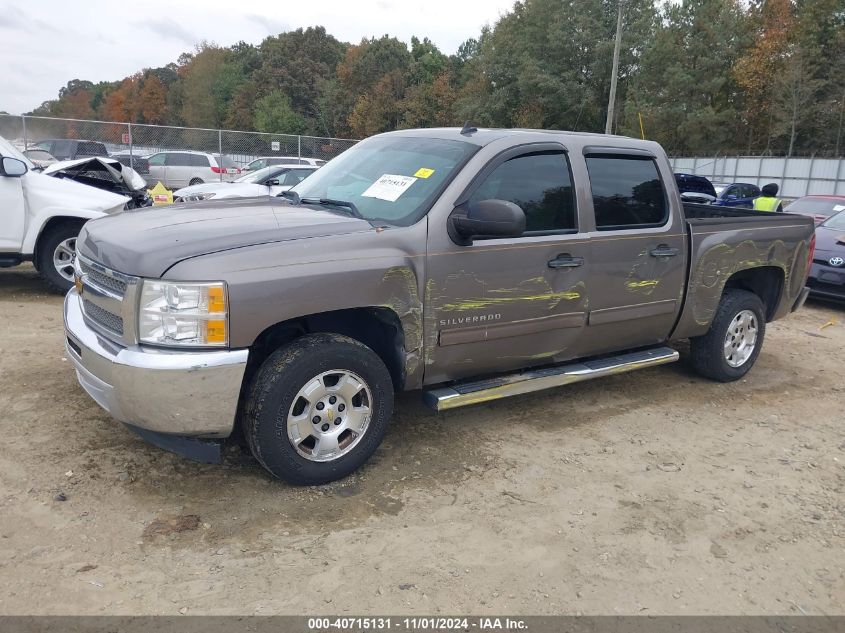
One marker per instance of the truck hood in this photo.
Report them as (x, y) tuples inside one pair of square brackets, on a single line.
[(46, 192), (146, 243)]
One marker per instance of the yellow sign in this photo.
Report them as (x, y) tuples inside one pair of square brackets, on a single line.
[(423, 172), (160, 194)]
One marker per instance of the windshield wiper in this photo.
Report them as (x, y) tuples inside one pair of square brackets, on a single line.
[(329, 202), (290, 195)]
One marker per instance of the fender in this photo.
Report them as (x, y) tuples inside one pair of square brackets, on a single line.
[(37, 223)]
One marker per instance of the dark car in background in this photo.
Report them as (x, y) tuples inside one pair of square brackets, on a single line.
[(71, 148), (136, 162), (827, 275), (819, 207), (695, 188), (736, 194)]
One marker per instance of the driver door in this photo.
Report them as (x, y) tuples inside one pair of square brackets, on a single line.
[(507, 303)]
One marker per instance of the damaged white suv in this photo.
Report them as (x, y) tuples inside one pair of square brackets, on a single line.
[(40, 217)]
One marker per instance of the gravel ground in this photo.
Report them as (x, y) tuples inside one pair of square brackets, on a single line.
[(650, 493)]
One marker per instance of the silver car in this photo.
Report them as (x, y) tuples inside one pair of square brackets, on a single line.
[(266, 161), (177, 169)]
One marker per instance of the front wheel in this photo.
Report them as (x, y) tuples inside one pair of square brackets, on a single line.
[(731, 346), (318, 408), (56, 250)]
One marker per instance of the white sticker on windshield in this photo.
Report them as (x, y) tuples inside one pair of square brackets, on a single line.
[(389, 187), (838, 207)]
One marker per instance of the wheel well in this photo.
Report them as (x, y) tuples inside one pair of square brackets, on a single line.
[(376, 327), (49, 225), (766, 282)]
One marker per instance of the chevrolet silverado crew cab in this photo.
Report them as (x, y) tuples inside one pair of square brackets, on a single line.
[(469, 264)]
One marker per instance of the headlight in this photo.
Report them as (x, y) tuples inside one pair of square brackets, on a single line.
[(196, 197), (189, 314)]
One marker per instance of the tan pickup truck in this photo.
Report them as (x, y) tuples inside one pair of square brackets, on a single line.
[(468, 264)]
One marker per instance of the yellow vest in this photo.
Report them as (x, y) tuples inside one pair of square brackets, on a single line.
[(764, 203)]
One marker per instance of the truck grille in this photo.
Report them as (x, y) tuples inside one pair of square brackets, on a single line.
[(115, 285), (103, 317), (109, 300)]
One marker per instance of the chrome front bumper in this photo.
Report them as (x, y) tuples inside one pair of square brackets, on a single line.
[(191, 393)]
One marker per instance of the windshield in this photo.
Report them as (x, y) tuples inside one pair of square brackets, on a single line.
[(256, 176), (816, 206), (836, 222), (393, 178), (7, 149)]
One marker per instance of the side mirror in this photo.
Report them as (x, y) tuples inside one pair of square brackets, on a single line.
[(273, 182), (13, 167), (730, 196), (486, 218)]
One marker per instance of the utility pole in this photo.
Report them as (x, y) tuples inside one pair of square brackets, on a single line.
[(611, 102)]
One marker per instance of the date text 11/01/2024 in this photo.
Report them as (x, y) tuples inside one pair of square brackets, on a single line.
[(417, 624)]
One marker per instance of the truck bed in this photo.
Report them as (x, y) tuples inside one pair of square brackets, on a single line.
[(724, 243)]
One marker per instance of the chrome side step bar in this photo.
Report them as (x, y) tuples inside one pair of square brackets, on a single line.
[(462, 394)]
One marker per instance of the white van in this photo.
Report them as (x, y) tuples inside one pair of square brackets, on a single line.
[(40, 217)]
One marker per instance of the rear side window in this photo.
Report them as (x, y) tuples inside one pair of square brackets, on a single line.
[(178, 159), (626, 192), (198, 160), (62, 149), (539, 183), (87, 148)]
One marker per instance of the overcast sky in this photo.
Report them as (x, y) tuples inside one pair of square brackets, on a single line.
[(44, 44)]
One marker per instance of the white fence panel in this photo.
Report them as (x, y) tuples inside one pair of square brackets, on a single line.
[(796, 177)]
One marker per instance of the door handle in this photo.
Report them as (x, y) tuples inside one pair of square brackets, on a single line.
[(565, 260), (664, 250)]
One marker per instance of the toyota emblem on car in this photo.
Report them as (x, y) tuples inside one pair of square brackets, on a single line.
[(836, 261)]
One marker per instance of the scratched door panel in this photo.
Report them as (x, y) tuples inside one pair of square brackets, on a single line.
[(638, 265), (496, 305)]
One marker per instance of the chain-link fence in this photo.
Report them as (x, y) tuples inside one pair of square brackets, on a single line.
[(134, 143), (796, 176)]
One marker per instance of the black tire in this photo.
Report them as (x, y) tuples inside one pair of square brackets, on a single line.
[(47, 245), (274, 390), (196, 181), (707, 353)]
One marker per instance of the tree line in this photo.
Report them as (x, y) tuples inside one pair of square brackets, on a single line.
[(699, 76)]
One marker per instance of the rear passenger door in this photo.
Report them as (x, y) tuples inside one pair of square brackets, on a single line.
[(638, 257)]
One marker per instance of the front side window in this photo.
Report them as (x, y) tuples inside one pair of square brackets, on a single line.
[(393, 179), (627, 192), (538, 183), (296, 176), (156, 159)]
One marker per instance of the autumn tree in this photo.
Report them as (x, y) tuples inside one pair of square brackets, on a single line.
[(152, 99), (758, 68)]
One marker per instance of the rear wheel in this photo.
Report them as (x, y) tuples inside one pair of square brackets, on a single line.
[(56, 250), (731, 346), (196, 181), (318, 408)]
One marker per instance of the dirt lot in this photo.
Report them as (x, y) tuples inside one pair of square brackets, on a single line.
[(651, 493)]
